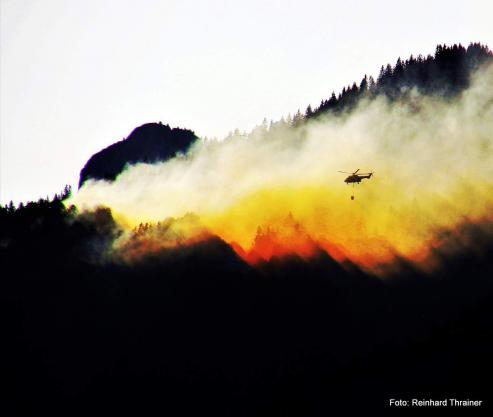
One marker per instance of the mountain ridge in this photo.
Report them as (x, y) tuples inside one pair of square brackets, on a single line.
[(150, 142), (447, 73)]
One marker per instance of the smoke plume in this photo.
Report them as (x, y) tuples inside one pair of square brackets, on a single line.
[(277, 192)]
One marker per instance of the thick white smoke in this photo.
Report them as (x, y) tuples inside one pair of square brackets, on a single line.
[(432, 157)]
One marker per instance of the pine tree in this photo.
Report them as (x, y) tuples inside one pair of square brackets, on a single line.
[(309, 112)]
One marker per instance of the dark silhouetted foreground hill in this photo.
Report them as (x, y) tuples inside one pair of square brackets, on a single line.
[(150, 142), (194, 331)]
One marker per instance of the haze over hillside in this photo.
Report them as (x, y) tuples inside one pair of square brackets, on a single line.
[(446, 73), (77, 77)]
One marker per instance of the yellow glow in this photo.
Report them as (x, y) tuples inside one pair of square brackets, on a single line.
[(282, 194)]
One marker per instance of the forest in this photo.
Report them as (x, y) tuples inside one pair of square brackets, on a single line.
[(196, 330)]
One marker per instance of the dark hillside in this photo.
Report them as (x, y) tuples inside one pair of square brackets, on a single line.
[(446, 73), (195, 331), (150, 142)]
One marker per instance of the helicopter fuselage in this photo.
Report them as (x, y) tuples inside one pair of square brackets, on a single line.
[(355, 178)]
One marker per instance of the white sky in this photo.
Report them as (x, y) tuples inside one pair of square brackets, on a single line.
[(78, 75)]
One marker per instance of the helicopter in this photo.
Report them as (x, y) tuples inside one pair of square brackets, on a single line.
[(355, 178)]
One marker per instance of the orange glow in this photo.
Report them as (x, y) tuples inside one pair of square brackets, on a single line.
[(287, 239), (304, 221)]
